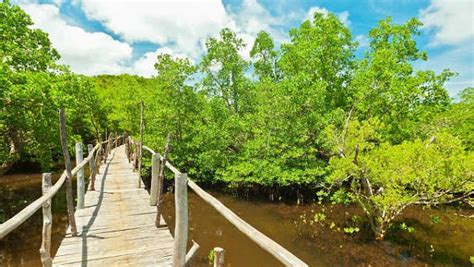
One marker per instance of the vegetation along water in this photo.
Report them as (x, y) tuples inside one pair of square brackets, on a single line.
[(343, 159)]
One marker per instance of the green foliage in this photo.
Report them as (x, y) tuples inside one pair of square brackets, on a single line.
[(33, 87), (388, 87), (435, 219), (224, 69), (384, 179), (211, 256), (351, 230), (373, 131), (457, 119), (340, 197), (265, 57), (405, 227)]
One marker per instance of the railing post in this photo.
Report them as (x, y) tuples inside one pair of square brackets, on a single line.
[(161, 178), (67, 163), (181, 225), (47, 222), (139, 163), (92, 169), (126, 142), (142, 128), (98, 157), (80, 177), (109, 146), (219, 257), (155, 168)]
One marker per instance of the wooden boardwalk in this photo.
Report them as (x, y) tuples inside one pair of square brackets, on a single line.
[(117, 225)]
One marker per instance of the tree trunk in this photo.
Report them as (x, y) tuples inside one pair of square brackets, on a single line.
[(16, 146), (378, 226)]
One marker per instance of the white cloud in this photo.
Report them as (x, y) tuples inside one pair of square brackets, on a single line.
[(251, 19), (363, 40), (145, 66), (185, 25), (452, 21), (343, 16), (181, 23), (86, 52), (179, 28)]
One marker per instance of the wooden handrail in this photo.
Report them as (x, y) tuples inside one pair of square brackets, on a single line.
[(15, 221), (272, 247)]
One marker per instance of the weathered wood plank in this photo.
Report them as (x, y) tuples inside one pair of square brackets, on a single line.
[(117, 224)]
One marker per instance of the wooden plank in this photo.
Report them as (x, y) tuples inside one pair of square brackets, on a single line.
[(116, 225)]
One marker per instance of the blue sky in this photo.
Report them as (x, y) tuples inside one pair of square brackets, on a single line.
[(120, 36)]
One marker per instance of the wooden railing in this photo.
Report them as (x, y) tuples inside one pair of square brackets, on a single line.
[(180, 258), (95, 156)]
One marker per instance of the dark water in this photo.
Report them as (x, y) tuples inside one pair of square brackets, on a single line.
[(448, 242), (442, 237), (21, 247)]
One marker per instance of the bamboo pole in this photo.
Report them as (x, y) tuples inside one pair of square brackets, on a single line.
[(181, 225), (45, 250), (92, 169), (80, 176), (219, 257), (67, 163)]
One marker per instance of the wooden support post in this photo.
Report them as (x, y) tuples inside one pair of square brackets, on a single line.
[(45, 249), (92, 168), (109, 146), (139, 163), (161, 180), (126, 142), (219, 257), (80, 176), (98, 160), (181, 225), (67, 163), (142, 128), (155, 169)]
